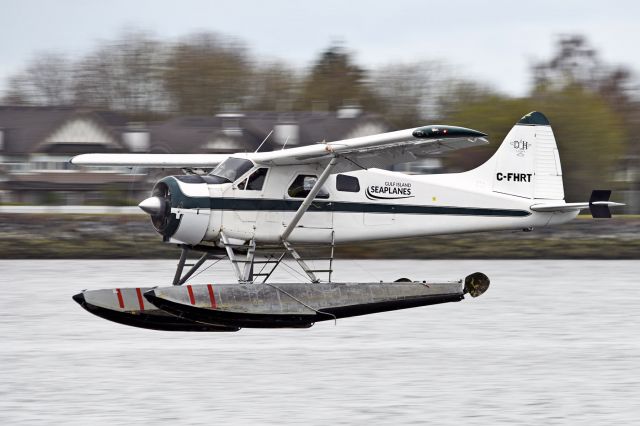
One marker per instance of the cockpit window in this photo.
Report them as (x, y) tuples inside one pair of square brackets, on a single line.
[(256, 180), (232, 168)]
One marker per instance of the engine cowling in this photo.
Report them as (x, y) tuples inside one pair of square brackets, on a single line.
[(179, 208)]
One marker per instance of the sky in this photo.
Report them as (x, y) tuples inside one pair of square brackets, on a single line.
[(494, 42)]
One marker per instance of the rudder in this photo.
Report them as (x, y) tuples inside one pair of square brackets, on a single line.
[(527, 163)]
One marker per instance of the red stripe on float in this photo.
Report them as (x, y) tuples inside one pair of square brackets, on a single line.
[(212, 297), (120, 299), (140, 301), (191, 298)]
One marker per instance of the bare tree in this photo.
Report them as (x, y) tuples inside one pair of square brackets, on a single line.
[(274, 87), (125, 74), (45, 81), (409, 92), (206, 71)]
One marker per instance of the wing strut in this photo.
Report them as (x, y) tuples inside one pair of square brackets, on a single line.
[(307, 201)]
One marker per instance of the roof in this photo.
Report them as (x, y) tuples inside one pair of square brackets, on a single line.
[(25, 127), (190, 134)]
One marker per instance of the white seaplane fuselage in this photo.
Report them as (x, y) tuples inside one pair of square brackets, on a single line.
[(377, 204)]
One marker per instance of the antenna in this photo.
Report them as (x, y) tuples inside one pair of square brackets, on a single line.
[(265, 139), (285, 142)]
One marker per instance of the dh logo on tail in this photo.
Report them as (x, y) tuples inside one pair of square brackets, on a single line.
[(521, 146)]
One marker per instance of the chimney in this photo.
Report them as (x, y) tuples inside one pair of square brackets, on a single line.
[(349, 110), (136, 137), (286, 131), (231, 118)]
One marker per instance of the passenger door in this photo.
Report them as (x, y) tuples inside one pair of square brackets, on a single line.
[(248, 195), (319, 214)]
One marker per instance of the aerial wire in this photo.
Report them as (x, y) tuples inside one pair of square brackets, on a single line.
[(265, 139)]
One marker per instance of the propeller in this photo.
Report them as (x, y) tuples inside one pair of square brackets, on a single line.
[(158, 206), (152, 205)]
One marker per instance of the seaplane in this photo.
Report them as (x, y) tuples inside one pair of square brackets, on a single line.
[(256, 209)]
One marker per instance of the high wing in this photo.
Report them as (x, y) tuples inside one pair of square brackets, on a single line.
[(168, 161), (379, 150)]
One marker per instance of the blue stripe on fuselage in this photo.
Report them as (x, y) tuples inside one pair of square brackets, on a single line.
[(265, 204)]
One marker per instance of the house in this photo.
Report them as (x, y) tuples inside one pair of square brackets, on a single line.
[(245, 132), (36, 144)]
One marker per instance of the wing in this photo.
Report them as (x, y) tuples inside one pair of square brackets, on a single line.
[(168, 161), (378, 150)]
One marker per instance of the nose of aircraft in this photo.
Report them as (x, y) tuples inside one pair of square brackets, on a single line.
[(152, 205)]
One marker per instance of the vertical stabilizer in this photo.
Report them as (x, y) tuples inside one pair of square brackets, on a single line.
[(527, 163)]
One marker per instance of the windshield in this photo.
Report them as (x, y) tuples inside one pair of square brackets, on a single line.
[(232, 168)]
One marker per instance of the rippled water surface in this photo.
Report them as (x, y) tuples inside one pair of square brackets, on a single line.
[(551, 342)]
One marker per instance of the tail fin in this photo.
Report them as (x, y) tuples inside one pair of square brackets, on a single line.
[(527, 163)]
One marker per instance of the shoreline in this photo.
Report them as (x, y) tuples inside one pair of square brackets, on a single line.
[(105, 236)]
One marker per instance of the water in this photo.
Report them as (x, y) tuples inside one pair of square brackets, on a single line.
[(551, 342)]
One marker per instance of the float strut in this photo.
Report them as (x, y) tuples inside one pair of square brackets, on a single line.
[(183, 259)]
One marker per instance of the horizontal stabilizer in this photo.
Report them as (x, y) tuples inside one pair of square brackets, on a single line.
[(598, 205)]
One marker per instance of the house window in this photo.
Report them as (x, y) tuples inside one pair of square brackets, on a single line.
[(303, 184), (347, 183)]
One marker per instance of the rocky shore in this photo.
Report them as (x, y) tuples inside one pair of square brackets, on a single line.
[(65, 236)]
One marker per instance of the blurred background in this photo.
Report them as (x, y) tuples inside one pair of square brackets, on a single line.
[(554, 341), (213, 77)]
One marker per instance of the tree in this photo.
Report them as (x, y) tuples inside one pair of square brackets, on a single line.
[(590, 136), (405, 91), (205, 72), (124, 74), (412, 93), (274, 87), (45, 81), (573, 62), (577, 67), (335, 80), (588, 133), (490, 113), (576, 63)]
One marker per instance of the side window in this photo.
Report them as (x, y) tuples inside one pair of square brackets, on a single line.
[(347, 183), (303, 184), (256, 180)]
